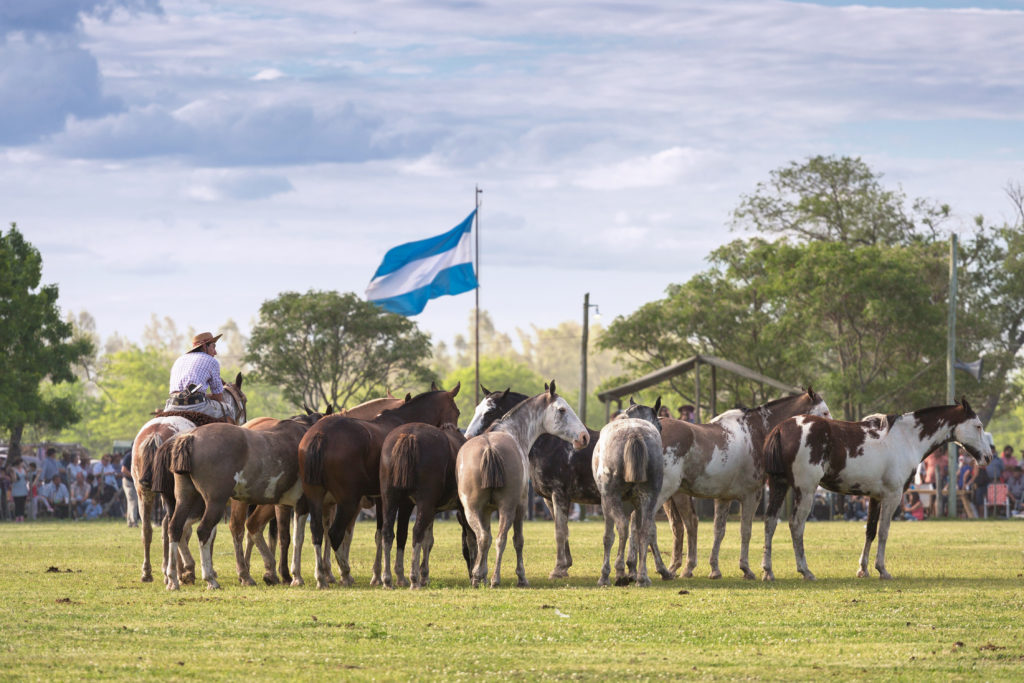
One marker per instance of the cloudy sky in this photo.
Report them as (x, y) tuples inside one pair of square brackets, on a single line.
[(194, 158)]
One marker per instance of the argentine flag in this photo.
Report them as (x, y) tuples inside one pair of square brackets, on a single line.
[(415, 272)]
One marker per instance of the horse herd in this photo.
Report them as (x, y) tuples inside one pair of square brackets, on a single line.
[(399, 454)]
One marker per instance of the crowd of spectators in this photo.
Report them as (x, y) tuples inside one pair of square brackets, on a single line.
[(68, 486)]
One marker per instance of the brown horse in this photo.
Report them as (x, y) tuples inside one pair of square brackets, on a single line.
[(339, 461), (417, 468), (216, 462), (146, 475)]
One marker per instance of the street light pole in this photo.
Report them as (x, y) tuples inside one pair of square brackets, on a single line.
[(584, 346)]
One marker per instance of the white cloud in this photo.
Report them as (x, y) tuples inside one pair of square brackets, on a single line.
[(268, 75)]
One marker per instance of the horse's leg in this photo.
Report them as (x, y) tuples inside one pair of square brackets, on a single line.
[(341, 537), (147, 498), (721, 516), (559, 506), (748, 505), (645, 511), (777, 490), (609, 538), (622, 521), (505, 517), (803, 501), (870, 529), (206, 533), (255, 525), (375, 580), (684, 504), (428, 545), (316, 531), (298, 538), (652, 543), (236, 525), (390, 505), (517, 543), (631, 556), (184, 556), (283, 515), (186, 497), (888, 505), (328, 515), (419, 568), (675, 524), (481, 526), (404, 512)]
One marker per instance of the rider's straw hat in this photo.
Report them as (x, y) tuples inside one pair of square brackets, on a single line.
[(201, 339)]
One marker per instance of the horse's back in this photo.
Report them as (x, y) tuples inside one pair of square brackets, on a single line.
[(491, 461)]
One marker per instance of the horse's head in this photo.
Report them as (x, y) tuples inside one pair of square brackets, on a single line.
[(237, 400), (970, 433), (642, 412), (436, 407), (560, 419), (491, 408), (815, 403)]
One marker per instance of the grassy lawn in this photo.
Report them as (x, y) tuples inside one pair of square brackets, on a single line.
[(954, 611)]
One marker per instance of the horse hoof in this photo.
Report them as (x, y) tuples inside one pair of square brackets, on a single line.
[(375, 581), (643, 583), (768, 576), (188, 578), (271, 579), (559, 573), (603, 581), (297, 581), (810, 577), (495, 584), (667, 575), (715, 574), (622, 581), (475, 583), (885, 576), (173, 586), (147, 578), (522, 583), (862, 574), (749, 575), (213, 585), (347, 581), (688, 574), (402, 583)]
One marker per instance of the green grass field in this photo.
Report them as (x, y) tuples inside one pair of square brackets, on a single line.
[(955, 610)]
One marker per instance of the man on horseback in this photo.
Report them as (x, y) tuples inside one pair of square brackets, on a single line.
[(192, 374)]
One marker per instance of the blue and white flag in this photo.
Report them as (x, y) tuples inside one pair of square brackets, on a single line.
[(415, 272)]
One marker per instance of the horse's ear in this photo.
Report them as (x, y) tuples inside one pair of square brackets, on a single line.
[(810, 391), (387, 390), (545, 386), (631, 401), (238, 380), (966, 405), (551, 390), (484, 389), (408, 397), (306, 408), (330, 409), (657, 406), (455, 391), (433, 386)]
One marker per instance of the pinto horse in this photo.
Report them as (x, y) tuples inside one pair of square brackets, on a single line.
[(875, 457), (492, 474), (722, 460), (216, 462), (147, 474), (339, 462), (629, 469)]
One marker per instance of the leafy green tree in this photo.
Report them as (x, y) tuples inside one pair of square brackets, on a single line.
[(35, 344), (326, 347)]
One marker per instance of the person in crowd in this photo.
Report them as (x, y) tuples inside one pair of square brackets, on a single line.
[(913, 510), (1015, 487), (74, 467), (20, 486), (856, 508), (993, 473), (59, 497), (687, 413), (966, 473), (664, 412), (44, 492), (5, 493), (107, 485), (80, 492), (131, 496), (93, 509), (49, 467), (1008, 461), (198, 368)]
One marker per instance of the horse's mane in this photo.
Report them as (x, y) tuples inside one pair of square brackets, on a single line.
[(774, 402), (517, 407), (415, 400)]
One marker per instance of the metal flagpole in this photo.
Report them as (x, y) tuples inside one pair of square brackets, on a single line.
[(476, 315), (953, 465)]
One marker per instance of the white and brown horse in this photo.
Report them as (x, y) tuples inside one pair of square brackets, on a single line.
[(722, 460), (144, 450), (628, 469), (216, 462), (492, 471), (875, 457)]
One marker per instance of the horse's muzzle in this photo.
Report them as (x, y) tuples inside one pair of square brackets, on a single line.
[(581, 441)]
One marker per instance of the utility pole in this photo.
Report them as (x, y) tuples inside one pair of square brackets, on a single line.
[(953, 465), (584, 347)]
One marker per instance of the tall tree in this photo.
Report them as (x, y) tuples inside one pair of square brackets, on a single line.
[(326, 347), (35, 343)]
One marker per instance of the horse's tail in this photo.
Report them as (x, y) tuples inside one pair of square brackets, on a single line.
[(146, 454), (634, 456), (405, 455), (181, 454), (774, 465), (163, 482), (492, 467), (314, 463)]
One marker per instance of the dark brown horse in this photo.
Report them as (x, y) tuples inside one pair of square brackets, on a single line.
[(339, 462), (152, 478), (417, 468)]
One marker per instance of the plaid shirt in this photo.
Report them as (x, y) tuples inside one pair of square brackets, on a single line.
[(197, 368)]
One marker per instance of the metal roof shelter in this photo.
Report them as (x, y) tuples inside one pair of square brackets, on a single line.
[(694, 363)]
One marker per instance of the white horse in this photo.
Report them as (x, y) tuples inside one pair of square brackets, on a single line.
[(492, 472), (628, 469), (875, 457)]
